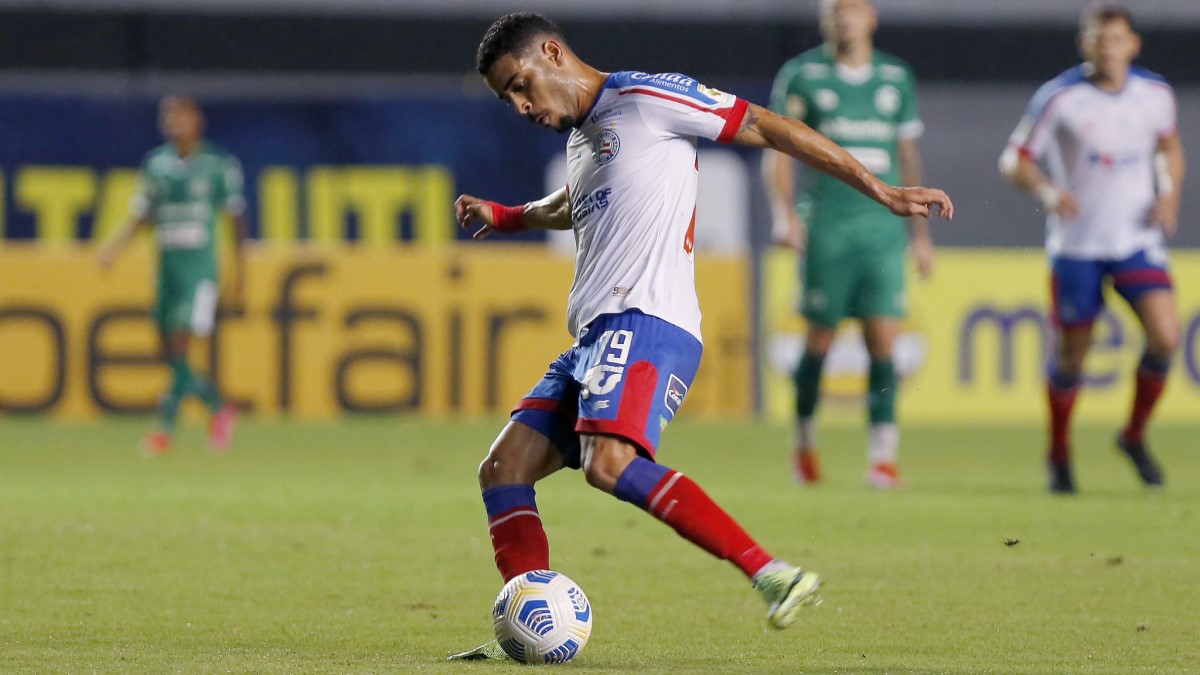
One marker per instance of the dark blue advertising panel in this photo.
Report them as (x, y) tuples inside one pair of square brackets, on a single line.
[(373, 170)]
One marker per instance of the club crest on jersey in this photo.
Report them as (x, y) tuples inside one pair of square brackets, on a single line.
[(605, 147), (676, 391), (887, 100)]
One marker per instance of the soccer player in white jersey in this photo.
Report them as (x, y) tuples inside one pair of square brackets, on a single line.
[(630, 199), (1105, 131)]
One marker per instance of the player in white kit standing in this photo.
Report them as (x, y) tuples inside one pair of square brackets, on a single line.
[(633, 310), (1106, 132)]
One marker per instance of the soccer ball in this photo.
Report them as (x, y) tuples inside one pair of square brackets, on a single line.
[(542, 617)]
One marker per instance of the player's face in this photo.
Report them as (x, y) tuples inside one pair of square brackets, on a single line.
[(536, 85), (179, 119), (1110, 47), (845, 22)]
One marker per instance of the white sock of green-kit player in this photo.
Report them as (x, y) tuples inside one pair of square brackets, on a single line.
[(885, 440)]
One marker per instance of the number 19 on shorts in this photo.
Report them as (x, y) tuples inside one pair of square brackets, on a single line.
[(609, 367)]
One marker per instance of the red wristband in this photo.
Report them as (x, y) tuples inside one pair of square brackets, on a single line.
[(508, 218)]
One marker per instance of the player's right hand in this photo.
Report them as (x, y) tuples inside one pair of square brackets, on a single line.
[(791, 233), (1061, 202), (1068, 208), (470, 210)]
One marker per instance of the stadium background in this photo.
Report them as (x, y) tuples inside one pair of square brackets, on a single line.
[(358, 122)]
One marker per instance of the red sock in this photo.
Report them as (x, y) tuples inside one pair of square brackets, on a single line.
[(516, 530), (677, 501), (1150, 385), (1062, 401)]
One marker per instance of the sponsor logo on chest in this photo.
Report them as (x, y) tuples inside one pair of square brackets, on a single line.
[(594, 201)]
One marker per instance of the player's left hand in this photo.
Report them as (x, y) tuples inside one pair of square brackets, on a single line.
[(1165, 214), (920, 201)]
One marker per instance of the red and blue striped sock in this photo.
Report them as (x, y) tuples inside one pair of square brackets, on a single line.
[(1151, 380), (516, 530), (1061, 391), (677, 501)]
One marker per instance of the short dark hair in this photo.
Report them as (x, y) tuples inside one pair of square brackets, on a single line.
[(1102, 12), (511, 34)]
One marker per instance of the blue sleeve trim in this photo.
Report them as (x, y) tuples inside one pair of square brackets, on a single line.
[(1052, 88), (673, 83)]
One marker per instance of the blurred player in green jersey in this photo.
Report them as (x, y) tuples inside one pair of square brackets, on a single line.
[(853, 248), (184, 186)]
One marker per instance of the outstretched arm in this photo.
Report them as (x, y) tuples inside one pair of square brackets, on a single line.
[(762, 128), (765, 129), (113, 248), (552, 212)]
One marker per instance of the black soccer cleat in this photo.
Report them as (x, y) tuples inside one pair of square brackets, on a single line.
[(1061, 481), (1139, 455)]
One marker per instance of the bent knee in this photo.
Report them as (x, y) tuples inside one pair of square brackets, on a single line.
[(519, 455), (1163, 345), (489, 472), (503, 465)]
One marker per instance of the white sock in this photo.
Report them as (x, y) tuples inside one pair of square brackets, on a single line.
[(885, 440), (773, 566), (806, 433)]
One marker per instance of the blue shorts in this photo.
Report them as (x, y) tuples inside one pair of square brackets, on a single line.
[(626, 377), (1077, 285)]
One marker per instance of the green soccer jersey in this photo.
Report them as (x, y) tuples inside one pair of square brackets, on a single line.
[(866, 112), (183, 198)]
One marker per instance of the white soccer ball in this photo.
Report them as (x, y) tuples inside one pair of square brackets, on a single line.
[(542, 617)]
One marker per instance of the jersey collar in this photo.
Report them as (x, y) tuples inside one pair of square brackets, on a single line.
[(608, 84)]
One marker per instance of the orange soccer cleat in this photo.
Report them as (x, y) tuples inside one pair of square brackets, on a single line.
[(884, 476), (157, 442), (806, 470)]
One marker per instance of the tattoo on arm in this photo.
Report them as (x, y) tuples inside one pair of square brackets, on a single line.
[(749, 121)]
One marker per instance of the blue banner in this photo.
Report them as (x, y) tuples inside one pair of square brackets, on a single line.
[(313, 169)]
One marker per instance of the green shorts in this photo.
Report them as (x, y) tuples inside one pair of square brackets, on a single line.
[(852, 277), (186, 304)]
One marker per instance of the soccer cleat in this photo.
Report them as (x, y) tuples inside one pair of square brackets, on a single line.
[(1139, 454), (806, 470), (1061, 481), (220, 429), (157, 442), (786, 592), (884, 476), (489, 651)]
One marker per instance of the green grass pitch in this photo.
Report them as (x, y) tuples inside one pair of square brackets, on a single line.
[(362, 547)]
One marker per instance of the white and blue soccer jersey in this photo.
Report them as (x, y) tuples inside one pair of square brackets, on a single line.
[(1100, 146), (631, 179)]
